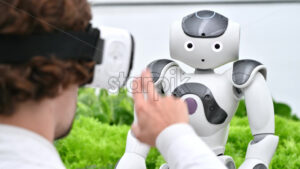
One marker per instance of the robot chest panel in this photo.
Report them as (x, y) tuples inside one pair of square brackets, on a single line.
[(210, 99)]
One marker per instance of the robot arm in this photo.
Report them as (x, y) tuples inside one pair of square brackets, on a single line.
[(136, 152), (162, 71), (249, 77)]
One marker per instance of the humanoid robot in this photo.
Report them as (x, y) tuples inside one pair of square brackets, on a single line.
[(206, 40)]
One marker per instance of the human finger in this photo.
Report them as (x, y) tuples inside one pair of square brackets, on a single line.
[(138, 95), (148, 84)]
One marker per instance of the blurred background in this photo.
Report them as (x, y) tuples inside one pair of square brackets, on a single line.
[(270, 33)]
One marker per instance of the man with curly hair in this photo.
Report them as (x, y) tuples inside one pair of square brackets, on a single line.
[(38, 96)]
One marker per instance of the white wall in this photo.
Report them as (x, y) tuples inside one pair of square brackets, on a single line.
[(270, 34), (122, 2)]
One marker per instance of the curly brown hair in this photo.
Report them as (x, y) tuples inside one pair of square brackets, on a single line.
[(41, 78)]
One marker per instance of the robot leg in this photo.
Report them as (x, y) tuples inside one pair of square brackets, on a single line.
[(227, 161), (260, 152), (135, 154)]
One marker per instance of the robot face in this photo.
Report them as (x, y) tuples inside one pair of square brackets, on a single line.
[(205, 40)]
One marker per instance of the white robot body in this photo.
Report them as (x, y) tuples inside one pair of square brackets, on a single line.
[(221, 88), (206, 40), (227, 97)]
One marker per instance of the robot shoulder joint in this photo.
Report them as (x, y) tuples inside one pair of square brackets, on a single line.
[(159, 67), (245, 70)]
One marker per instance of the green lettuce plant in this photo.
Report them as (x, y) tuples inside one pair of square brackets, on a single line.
[(94, 145), (111, 109)]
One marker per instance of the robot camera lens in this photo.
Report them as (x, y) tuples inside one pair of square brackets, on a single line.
[(203, 34), (217, 46), (190, 45)]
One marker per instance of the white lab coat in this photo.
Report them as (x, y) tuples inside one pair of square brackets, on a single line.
[(23, 149)]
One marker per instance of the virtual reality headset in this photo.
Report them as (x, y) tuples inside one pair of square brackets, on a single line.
[(111, 49)]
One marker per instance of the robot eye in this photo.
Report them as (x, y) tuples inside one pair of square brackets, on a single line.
[(217, 46), (189, 46)]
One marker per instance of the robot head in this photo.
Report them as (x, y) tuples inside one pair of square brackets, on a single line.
[(205, 40)]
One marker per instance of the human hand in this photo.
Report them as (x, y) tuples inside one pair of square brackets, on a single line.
[(154, 113)]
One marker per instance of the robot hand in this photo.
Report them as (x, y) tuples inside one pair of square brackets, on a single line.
[(228, 161), (164, 166), (135, 154), (131, 161)]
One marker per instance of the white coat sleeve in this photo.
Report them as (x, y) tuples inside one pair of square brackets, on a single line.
[(183, 149)]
